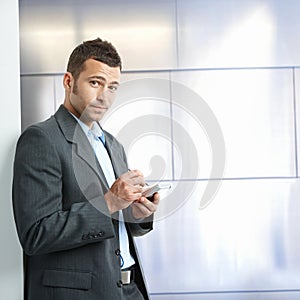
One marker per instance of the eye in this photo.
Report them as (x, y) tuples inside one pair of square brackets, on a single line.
[(94, 83), (113, 88)]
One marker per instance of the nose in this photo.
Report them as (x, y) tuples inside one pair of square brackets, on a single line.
[(101, 93)]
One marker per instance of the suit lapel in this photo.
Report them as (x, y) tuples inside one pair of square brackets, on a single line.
[(113, 149), (80, 144), (82, 147)]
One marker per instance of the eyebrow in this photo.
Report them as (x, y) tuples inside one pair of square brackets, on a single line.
[(103, 79)]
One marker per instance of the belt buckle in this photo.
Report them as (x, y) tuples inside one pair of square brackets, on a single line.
[(125, 277)]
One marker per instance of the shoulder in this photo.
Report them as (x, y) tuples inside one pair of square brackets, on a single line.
[(52, 126), (44, 128), (36, 143)]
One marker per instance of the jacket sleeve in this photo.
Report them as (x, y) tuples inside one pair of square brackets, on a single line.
[(43, 225), (141, 228), (138, 227)]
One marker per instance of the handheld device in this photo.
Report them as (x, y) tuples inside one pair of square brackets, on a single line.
[(149, 190)]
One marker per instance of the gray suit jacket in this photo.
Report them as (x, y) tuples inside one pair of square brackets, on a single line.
[(70, 241)]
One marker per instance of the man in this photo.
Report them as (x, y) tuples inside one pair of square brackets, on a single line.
[(76, 205)]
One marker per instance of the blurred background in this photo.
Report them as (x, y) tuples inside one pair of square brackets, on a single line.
[(209, 102)]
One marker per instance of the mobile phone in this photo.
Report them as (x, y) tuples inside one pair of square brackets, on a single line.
[(149, 190)]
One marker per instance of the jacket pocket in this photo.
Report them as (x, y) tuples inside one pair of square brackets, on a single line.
[(68, 279)]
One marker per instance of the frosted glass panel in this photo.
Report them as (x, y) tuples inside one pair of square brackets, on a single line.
[(204, 97), (245, 240), (142, 31), (268, 295), (254, 109), (297, 114), (234, 33), (140, 118), (37, 95)]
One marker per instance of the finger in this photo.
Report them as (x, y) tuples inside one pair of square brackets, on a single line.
[(126, 191), (134, 177), (136, 173), (143, 211), (149, 205), (131, 178), (155, 198), (135, 190)]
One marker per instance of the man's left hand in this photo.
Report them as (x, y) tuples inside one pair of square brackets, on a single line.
[(144, 208)]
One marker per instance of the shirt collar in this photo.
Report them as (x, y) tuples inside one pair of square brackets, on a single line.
[(95, 129)]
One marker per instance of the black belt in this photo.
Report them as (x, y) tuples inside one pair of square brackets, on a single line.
[(128, 275)]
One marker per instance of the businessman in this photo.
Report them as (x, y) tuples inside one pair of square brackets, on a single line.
[(77, 206)]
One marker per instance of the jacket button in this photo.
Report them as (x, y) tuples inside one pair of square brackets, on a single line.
[(118, 252), (119, 284)]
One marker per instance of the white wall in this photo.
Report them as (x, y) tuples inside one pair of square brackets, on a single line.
[(10, 251)]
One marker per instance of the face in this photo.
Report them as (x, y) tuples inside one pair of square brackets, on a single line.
[(93, 93)]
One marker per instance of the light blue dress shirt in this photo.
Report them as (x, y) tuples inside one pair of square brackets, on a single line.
[(96, 137)]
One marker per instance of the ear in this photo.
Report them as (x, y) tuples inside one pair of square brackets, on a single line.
[(67, 81)]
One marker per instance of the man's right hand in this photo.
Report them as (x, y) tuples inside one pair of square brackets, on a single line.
[(125, 190)]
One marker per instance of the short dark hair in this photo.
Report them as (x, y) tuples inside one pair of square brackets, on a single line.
[(97, 49)]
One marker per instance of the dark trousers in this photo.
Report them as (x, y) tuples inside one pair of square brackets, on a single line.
[(131, 292)]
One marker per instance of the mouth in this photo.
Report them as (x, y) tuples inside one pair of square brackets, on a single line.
[(99, 107)]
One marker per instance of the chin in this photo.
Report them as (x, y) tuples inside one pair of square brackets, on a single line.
[(97, 117)]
